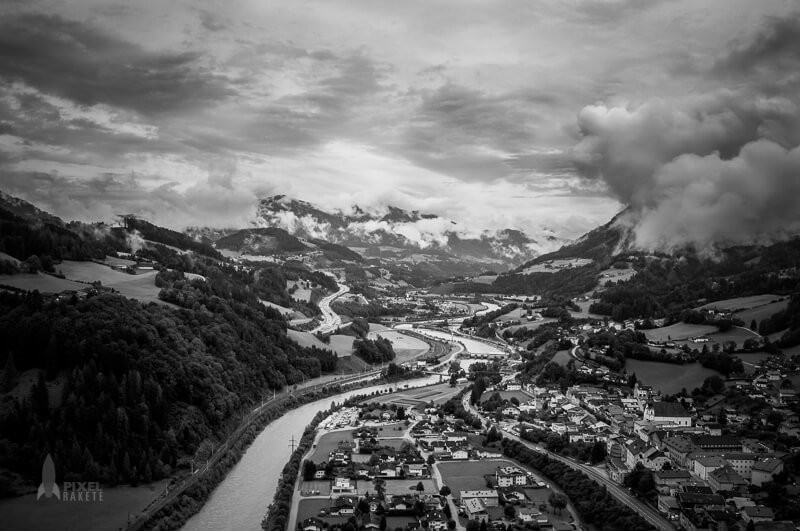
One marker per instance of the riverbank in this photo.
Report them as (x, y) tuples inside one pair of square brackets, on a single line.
[(174, 509)]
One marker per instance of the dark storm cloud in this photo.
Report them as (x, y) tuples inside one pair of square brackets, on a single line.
[(78, 62), (776, 45), (464, 131), (30, 117)]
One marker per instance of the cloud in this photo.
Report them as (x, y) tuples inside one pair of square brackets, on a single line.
[(215, 201), (89, 66), (707, 200), (776, 45), (704, 170), (470, 134)]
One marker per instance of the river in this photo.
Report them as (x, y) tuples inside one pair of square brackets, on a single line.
[(241, 500)]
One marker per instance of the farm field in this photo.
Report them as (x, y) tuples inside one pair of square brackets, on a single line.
[(556, 265), (375, 327), (533, 325), (438, 394), (679, 331), (406, 347), (468, 475), (141, 286), (514, 315), (760, 313), (741, 303), (44, 283)]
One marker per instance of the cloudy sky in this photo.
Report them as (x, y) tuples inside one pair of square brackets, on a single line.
[(516, 114)]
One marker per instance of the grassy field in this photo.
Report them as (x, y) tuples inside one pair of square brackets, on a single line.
[(328, 442), (141, 286), (616, 275), (679, 331), (562, 357), (752, 359), (557, 265), (25, 512), (741, 303), (468, 475), (341, 344), (533, 325), (309, 508), (760, 313), (44, 283), (405, 347), (114, 261), (375, 327), (306, 339), (438, 394)]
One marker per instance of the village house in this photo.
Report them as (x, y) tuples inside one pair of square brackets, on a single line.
[(489, 498), (510, 475)]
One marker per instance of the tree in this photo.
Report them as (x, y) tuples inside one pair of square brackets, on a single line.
[(754, 326), (598, 452), (632, 380), (557, 502), (420, 487), (444, 491), (510, 511), (34, 264), (9, 377), (382, 524), (309, 469), (477, 390), (431, 460)]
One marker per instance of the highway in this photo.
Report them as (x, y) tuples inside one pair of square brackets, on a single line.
[(652, 516), (330, 319)]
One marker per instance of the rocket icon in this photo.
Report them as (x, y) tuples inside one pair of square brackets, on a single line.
[(48, 486)]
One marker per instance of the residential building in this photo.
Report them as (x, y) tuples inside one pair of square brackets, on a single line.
[(765, 471), (489, 498)]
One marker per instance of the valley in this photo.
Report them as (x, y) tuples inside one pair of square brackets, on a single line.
[(311, 316)]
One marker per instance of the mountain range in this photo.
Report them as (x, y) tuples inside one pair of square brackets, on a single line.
[(391, 233)]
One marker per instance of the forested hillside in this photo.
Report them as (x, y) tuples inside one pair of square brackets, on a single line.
[(140, 386)]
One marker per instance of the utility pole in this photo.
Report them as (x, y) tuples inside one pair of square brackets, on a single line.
[(292, 444)]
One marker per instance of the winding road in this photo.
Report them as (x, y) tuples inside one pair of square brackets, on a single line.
[(330, 319)]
